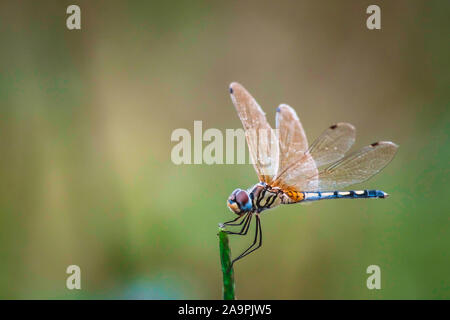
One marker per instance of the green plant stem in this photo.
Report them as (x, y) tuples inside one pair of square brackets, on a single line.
[(227, 268)]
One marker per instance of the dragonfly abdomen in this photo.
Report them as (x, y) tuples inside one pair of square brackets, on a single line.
[(352, 194)]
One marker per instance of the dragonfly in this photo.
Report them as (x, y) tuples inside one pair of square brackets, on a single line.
[(291, 171)]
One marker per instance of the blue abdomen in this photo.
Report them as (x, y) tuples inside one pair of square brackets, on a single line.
[(352, 194)]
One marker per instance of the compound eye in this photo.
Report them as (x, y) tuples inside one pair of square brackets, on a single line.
[(242, 197), (233, 195)]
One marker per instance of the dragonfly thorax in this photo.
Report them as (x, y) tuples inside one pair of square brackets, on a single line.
[(265, 197)]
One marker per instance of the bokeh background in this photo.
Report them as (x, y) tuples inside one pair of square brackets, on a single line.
[(86, 119)]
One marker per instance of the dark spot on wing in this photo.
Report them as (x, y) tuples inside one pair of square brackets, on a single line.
[(231, 90), (374, 144), (334, 126)]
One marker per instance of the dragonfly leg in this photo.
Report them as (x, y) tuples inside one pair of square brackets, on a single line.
[(251, 249), (245, 228), (230, 223)]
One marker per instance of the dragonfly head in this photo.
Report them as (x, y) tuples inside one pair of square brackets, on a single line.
[(239, 202)]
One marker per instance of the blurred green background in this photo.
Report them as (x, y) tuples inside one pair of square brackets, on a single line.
[(85, 125)]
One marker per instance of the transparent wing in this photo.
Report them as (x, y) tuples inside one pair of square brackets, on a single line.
[(261, 139), (295, 163), (354, 168), (332, 144)]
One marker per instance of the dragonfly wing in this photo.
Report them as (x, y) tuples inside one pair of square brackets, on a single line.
[(295, 162), (261, 139), (332, 144), (354, 168)]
